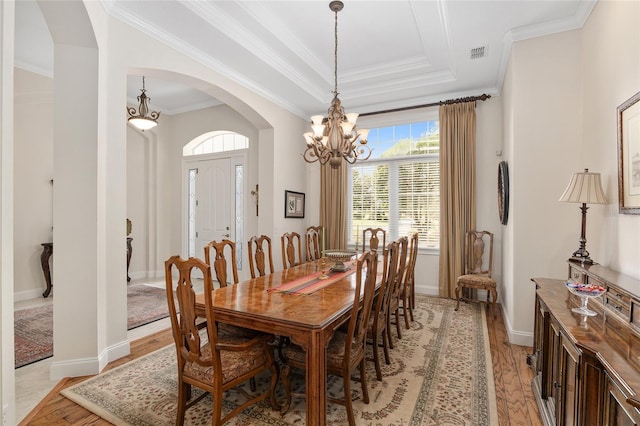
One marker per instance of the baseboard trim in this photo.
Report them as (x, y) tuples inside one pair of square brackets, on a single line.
[(33, 293), (517, 337), (428, 290), (89, 366)]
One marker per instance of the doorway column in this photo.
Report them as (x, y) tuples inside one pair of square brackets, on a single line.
[(7, 369)]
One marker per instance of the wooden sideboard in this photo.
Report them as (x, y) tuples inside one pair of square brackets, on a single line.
[(587, 369)]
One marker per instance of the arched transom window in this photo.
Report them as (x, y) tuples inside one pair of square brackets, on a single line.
[(214, 142)]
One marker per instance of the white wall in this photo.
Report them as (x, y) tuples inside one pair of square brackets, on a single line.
[(7, 372), (33, 156), (611, 58), (560, 98), (543, 143)]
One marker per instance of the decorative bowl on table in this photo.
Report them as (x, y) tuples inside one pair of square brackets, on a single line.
[(585, 292), (338, 257)]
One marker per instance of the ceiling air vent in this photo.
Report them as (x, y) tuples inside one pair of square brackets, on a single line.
[(478, 52)]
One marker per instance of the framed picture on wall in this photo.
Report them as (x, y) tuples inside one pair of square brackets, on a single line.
[(293, 204), (629, 156)]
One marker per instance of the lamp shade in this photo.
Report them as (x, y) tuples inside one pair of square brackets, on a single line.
[(584, 187)]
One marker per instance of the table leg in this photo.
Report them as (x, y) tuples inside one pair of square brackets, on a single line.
[(47, 251), (129, 251), (316, 380)]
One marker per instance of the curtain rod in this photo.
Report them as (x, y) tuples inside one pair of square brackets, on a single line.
[(482, 97)]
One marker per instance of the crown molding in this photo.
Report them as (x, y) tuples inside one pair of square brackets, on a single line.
[(199, 56)]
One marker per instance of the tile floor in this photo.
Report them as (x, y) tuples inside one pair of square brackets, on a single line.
[(32, 381)]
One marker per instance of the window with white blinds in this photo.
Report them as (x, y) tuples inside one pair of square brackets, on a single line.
[(398, 188)]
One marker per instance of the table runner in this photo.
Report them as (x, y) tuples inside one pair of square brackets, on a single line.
[(312, 283)]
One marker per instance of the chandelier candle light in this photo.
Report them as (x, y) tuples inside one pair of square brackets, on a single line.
[(584, 188), (335, 137), (143, 120)]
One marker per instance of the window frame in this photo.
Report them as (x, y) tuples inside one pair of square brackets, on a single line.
[(394, 119)]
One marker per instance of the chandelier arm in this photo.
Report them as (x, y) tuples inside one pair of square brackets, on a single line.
[(363, 152), (309, 156)]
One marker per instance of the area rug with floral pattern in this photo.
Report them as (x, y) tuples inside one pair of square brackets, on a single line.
[(440, 374), (33, 327)]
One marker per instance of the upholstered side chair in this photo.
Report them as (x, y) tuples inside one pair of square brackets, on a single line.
[(218, 362), (478, 262)]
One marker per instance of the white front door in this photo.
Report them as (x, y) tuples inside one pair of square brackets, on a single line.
[(213, 203)]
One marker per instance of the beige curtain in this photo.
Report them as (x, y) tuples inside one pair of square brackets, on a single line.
[(457, 188), (333, 205)]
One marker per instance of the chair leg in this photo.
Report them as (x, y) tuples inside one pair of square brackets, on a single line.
[(363, 381), (494, 296), (397, 314), (388, 330), (413, 294), (376, 356), (385, 346), (404, 312), (347, 399), (183, 392), (457, 297), (216, 415)]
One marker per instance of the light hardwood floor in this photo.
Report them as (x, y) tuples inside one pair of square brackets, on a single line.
[(516, 405)]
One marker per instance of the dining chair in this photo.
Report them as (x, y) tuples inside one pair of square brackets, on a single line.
[(291, 249), (216, 363), (396, 292), (220, 264), (222, 249), (346, 351), (313, 239), (477, 274), (377, 327), (371, 238), (407, 294), (257, 255)]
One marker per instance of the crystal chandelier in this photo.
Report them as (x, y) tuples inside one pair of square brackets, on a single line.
[(335, 137), (143, 120)]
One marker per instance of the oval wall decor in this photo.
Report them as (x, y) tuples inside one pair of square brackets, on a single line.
[(503, 192)]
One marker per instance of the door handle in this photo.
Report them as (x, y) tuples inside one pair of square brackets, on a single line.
[(226, 235)]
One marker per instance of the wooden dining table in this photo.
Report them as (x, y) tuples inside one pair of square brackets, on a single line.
[(309, 320)]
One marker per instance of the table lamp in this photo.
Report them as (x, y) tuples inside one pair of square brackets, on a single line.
[(585, 188)]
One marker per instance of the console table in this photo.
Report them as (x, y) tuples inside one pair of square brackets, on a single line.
[(47, 252), (587, 369)]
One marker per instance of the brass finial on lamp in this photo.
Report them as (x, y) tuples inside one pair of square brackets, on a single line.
[(585, 188)]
